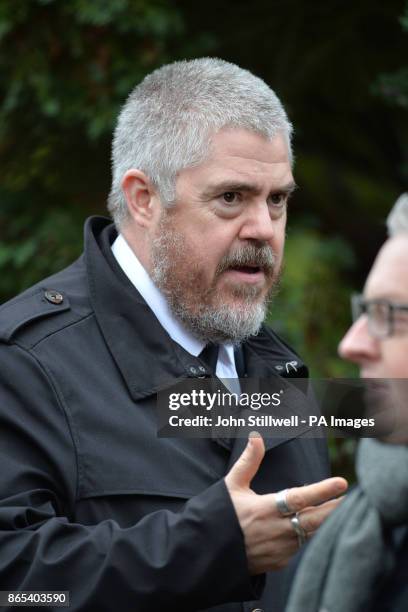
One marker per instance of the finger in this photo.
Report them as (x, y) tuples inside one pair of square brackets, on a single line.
[(315, 494), (311, 518), (299, 498), (245, 468)]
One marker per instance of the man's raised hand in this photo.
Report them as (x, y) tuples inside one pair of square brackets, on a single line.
[(270, 538)]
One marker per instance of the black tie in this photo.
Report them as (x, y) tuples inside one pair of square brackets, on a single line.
[(239, 361), (209, 355)]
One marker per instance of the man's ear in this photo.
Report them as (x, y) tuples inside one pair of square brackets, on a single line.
[(141, 197)]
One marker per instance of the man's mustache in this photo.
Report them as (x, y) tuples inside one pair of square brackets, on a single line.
[(261, 257)]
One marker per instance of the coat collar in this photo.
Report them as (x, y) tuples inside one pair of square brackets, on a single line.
[(145, 354)]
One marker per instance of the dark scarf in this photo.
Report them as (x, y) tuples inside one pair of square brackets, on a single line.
[(350, 554)]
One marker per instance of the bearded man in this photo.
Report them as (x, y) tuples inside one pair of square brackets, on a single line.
[(91, 500)]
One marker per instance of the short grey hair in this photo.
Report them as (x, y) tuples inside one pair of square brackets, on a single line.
[(168, 119), (397, 220)]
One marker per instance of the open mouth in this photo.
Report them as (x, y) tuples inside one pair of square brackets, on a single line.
[(247, 274), (247, 269)]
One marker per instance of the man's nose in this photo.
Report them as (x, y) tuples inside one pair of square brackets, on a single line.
[(258, 223), (358, 345)]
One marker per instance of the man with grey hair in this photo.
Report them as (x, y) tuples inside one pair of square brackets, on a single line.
[(91, 500), (182, 121)]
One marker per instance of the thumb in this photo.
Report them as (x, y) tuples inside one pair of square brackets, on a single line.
[(245, 468)]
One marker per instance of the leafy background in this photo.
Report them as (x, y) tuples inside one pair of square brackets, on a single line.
[(339, 67)]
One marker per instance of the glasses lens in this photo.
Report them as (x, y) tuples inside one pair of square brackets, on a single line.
[(378, 319), (378, 315), (357, 306)]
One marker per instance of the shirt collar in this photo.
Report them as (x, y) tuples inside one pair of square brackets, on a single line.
[(153, 297)]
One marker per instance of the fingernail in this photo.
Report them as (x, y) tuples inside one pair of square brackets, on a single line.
[(255, 434), (341, 485)]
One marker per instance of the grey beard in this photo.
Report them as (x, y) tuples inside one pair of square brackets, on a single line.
[(207, 320), (224, 324)]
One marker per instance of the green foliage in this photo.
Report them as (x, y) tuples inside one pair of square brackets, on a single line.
[(404, 18), (76, 61), (36, 246), (65, 69), (393, 87)]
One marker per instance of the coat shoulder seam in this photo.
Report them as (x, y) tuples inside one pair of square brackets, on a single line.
[(57, 331)]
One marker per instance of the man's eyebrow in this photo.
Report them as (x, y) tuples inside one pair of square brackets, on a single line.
[(225, 186), (288, 188)]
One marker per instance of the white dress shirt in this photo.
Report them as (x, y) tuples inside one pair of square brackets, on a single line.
[(156, 301)]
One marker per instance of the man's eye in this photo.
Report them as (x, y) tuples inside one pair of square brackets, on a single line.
[(278, 199), (229, 197)]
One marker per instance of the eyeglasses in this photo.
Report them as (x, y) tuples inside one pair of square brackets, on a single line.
[(380, 314)]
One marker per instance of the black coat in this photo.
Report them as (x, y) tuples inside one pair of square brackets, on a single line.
[(91, 501)]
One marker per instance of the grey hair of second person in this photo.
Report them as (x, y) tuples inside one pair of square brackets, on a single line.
[(168, 119), (397, 220)]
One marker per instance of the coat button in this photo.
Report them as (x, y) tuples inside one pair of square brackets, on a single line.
[(54, 297), (193, 370), (257, 610)]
